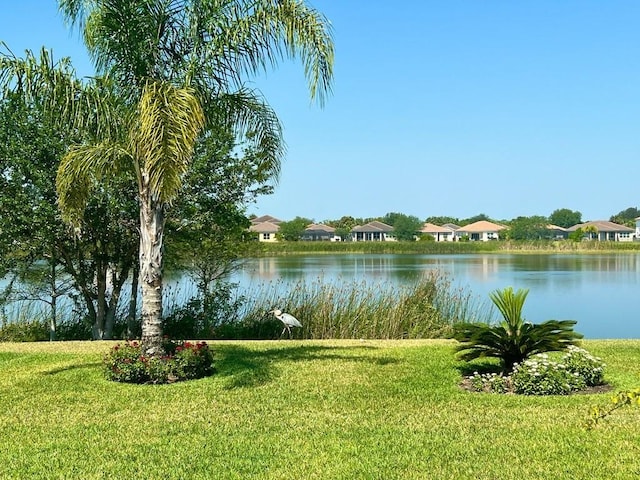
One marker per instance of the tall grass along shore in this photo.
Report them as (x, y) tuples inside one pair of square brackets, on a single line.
[(444, 248)]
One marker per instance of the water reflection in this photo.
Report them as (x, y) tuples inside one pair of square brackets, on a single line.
[(597, 290)]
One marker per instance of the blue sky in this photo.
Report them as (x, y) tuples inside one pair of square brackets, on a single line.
[(451, 107)]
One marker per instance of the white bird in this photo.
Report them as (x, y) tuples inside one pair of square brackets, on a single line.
[(287, 319)]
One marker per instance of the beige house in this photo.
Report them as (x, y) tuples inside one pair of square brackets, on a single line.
[(439, 234), (266, 231), (320, 232), (481, 231), (557, 233), (373, 232), (605, 231), (266, 218)]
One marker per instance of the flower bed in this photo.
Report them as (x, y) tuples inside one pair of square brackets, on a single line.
[(182, 361), (576, 371)]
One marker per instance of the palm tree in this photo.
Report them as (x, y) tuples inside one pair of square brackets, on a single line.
[(180, 66), (513, 340)]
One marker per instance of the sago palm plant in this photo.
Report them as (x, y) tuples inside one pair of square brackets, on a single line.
[(512, 340)]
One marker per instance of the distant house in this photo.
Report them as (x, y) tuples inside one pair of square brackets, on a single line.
[(439, 234), (557, 233), (605, 231), (481, 231), (266, 218), (266, 231), (320, 232), (452, 226), (372, 232)]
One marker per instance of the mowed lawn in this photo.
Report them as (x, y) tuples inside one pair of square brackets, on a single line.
[(304, 410)]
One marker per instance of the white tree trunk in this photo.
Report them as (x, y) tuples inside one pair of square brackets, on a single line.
[(151, 236)]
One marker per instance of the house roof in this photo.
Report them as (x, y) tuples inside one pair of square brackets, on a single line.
[(266, 218), (264, 227), (374, 226), (452, 226), (319, 227), (556, 227), (481, 226), (602, 226), (432, 228)]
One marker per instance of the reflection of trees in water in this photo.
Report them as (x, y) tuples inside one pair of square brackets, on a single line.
[(563, 262)]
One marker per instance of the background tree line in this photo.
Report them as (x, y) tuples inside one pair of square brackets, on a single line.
[(407, 227)]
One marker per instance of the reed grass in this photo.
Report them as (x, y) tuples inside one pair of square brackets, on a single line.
[(349, 310), (445, 248)]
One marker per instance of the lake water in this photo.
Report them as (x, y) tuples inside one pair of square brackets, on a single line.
[(597, 290)]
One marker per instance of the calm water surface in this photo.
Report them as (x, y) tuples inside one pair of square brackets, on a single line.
[(599, 291)]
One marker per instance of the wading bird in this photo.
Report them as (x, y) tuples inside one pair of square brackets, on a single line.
[(288, 321)]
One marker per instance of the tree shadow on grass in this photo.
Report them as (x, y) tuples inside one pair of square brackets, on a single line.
[(74, 366), (245, 367)]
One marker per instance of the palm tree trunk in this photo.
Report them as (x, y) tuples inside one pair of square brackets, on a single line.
[(133, 302), (151, 233)]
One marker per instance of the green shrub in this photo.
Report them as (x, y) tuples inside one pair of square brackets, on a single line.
[(513, 340), (183, 361), (542, 375), (203, 317), (590, 368), (490, 382), (25, 331)]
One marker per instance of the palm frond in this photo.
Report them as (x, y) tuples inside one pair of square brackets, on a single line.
[(248, 37), (245, 113), (510, 305), (513, 340), (170, 121), (80, 169), (53, 86)]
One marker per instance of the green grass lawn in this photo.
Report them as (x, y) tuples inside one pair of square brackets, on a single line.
[(311, 409)]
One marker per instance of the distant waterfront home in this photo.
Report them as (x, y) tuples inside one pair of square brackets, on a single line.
[(320, 232), (605, 231), (266, 231), (266, 218), (557, 233), (373, 232), (439, 234), (481, 231)]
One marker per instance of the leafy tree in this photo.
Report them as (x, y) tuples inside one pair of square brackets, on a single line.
[(563, 217), (292, 230), (513, 340), (209, 218), (626, 217), (442, 220), (476, 218), (528, 228), (180, 65), (36, 128), (405, 227), (577, 235)]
